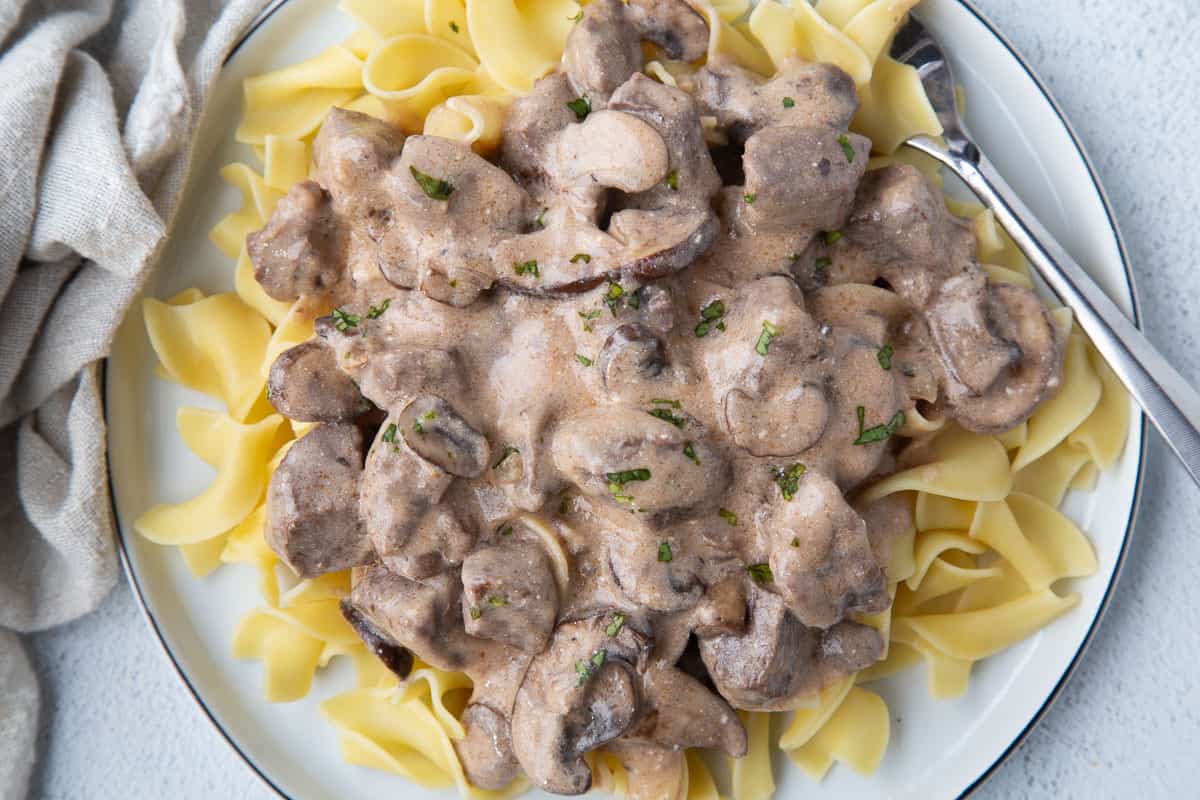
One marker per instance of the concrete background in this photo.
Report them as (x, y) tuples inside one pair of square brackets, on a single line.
[(118, 724)]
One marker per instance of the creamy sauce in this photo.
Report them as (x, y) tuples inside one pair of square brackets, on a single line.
[(683, 383)]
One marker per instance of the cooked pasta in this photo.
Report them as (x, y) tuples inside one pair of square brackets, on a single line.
[(978, 572)]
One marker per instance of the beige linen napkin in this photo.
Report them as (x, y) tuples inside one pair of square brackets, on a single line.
[(98, 102)]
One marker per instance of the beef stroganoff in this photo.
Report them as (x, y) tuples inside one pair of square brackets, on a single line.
[(607, 383)]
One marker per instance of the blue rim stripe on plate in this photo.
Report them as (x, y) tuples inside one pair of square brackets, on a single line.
[(1037, 717)]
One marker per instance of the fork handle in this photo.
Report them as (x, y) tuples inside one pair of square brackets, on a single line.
[(1172, 405)]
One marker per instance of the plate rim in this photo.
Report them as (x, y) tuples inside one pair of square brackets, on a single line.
[(1101, 611)]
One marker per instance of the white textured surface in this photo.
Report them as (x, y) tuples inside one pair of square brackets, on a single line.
[(118, 723)]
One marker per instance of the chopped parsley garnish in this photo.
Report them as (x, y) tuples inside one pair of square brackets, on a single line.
[(689, 450), (884, 355), (788, 479), (617, 481), (664, 553), (375, 312), (475, 612), (344, 321), (710, 317), (497, 600), (672, 181), (613, 296), (588, 316), (769, 332), (662, 401), (577, 17), (434, 188), (580, 107), (454, 26), (540, 219), (877, 433), (526, 268), (760, 573), (389, 433), (614, 627), (564, 503), (586, 669), (750, 197), (831, 237), (844, 141), (788, 102), (584, 257), (666, 416), (427, 416), (822, 263), (506, 530), (728, 516), (795, 541), (508, 451), (634, 300), (582, 359)]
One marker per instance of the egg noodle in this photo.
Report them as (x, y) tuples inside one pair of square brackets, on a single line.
[(976, 574)]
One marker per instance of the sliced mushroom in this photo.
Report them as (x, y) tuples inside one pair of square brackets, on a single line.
[(822, 96), (305, 384), (658, 573), (312, 503), (682, 713), (821, 558), (424, 617), (608, 150), (786, 421), (672, 25), (437, 432), (391, 372), (352, 150), (959, 319), (1018, 316), (398, 503), (602, 51), (631, 358), (579, 693), (658, 243), (849, 646), (802, 177), (485, 752), (509, 594), (298, 252), (693, 181), (397, 659), (531, 127), (639, 460)]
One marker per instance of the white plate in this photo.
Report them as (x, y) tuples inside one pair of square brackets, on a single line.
[(938, 749)]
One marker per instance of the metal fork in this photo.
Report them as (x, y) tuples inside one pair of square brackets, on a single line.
[(1170, 403)]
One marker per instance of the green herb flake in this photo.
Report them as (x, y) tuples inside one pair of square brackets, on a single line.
[(769, 332), (584, 257), (585, 669), (662, 401), (582, 359), (508, 451), (417, 426), (375, 312), (710, 317), (634, 300), (877, 433), (760, 573), (454, 26), (795, 541), (580, 107), (823, 263), (434, 188), (389, 433), (453, 283), (750, 197), (666, 416), (614, 627), (672, 181), (788, 479), (588, 316), (612, 297), (689, 450), (884, 356), (628, 476), (506, 530), (540, 219), (497, 600), (526, 268), (664, 553), (832, 237), (343, 320), (475, 612), (564, 503), (788, 102), (728, 516), (844, 141), (577, 17)]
